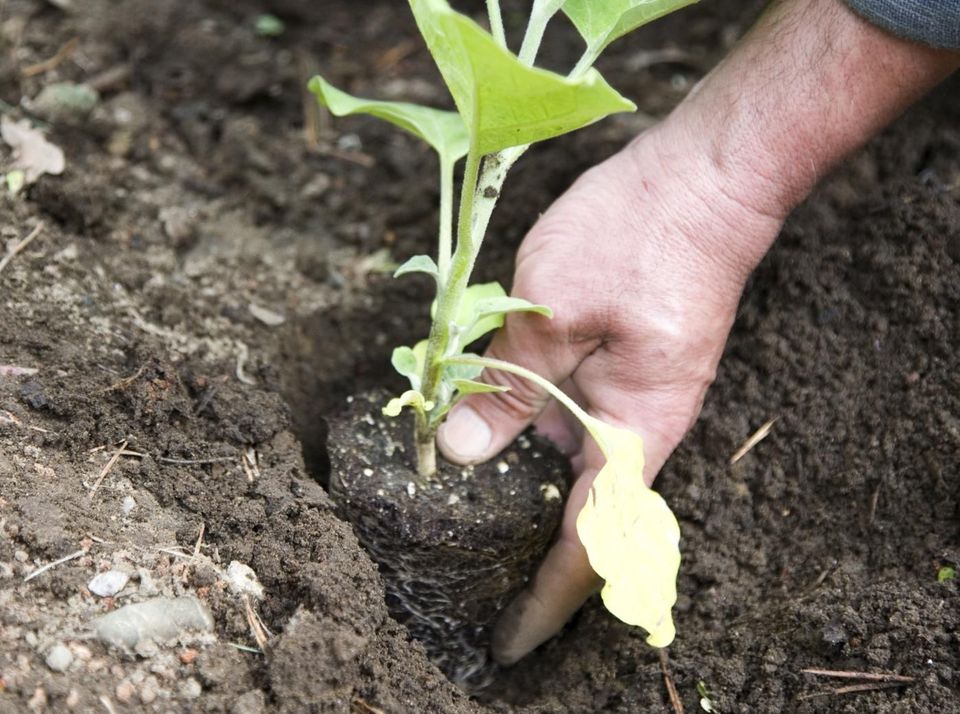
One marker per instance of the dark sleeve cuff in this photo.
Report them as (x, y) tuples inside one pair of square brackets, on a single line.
[(932, 22)]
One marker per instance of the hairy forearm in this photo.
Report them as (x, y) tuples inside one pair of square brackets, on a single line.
[(809, 84)]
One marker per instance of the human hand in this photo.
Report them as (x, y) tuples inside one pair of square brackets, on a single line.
[(635, 262), (644, 258)]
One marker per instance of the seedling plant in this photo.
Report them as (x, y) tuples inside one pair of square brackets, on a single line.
[(503, 105)]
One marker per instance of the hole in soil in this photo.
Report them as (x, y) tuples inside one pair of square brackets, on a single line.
[(469, 549)]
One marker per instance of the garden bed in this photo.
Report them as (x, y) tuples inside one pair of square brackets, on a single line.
[(207, 288)]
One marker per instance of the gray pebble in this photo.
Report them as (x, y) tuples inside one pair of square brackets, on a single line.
[(159, 619), (190, 688), (59, 657)]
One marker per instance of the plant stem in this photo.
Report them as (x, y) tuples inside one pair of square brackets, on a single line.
[(446, 219), (584, 63), (496, 22), (540, 15), (478, 197), (545, 384), (449, 295)]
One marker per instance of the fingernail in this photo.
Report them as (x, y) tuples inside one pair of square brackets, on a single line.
[(465, 435)]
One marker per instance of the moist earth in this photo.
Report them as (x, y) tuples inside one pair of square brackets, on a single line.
[(211, 281)]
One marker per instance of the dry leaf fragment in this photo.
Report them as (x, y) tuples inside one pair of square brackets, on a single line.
[(32, 153)]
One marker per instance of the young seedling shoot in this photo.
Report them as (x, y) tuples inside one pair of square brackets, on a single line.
[(503, 105)]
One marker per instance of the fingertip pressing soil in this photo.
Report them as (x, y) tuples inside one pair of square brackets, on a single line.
[(207, 288)]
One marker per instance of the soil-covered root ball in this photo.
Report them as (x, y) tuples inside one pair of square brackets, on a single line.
[(455, 548)]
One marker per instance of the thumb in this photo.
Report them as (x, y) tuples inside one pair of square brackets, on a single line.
[(482, 425)]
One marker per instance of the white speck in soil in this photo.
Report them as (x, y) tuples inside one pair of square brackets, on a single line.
[(453, 499), (381, 492), (502, 467), (523, 442), (368, 472), (128, 505), (367, 419), (550, 492), (411, 489)]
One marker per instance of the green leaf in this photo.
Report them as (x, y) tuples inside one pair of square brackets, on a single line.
[(600, 22), (409, 362), (946, 573), (503, 102), (404, 360), (504, 305), (419, 264), (474, 328), (410, 398), (468, 386), (443, 130)]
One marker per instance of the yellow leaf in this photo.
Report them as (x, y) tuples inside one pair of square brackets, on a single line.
[(410, 398), (631, 537)]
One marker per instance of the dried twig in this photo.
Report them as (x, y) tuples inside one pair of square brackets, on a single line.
[(757, 436), (18, 248), (106, 469), (66, 49), (54, 564), (122, 384), (191, 462), (362, 706), (675, 701), (259, 631), (12, 370), (9, 418), (869, 676), (852, 689), (249, 460), (196, 548)]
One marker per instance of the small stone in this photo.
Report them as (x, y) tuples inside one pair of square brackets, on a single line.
[(157, 619), (73, 698), (453, 499), (108, 584), (124, 692), (31, 638), (38, 702), (252, 702), (411, 489), (368, 472), (20, 556), (190, 688), (148, 692), (64, 101), (266, 316), (59, 657), (188, 656), (243, 580), (148, 587), (128, 505), (502, 467)]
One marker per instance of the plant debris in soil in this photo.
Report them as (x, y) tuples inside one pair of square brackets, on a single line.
[(191, 191)]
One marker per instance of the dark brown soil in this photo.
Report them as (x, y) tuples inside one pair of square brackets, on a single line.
[(190, 194), (453, 549)]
